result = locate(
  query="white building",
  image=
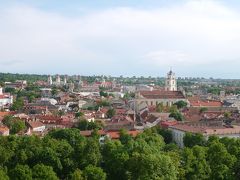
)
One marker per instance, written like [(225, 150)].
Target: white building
[(58, 80), (5, 99), (179, 130), (65, 80), (155, 97), (50, 82), (170, 82)]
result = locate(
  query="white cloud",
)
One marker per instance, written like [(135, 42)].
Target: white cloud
[(113, 40)]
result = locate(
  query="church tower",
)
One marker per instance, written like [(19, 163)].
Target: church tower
[(171, 82), (50, 80), (58, 79)]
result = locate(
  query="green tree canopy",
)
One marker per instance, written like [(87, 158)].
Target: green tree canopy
[(41, 171), (94, 173)]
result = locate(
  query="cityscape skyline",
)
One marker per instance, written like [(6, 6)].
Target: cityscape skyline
[(196, 38)]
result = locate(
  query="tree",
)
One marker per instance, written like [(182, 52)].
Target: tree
[(115, 157), (17, 126), (17, 104), (54, 91), (227, 114), (191, 140), (166, 134), (181, 104), (160, 107), (94, 173), (203, 109), (77, 175), (49, 157), (103, 103), (21, 172), (92, 154), (220, 161), (14, 124), (79, 114), (173, 109), (124, 136), (151, 166), (176, 115), (85, 125), (195, 163), (41, 171), (111, 112), (3, 174), (104, 94)]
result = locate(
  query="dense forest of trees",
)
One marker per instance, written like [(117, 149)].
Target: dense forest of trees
[(65, 154)]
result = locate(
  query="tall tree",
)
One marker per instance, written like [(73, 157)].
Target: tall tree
[(191, 140), (21, 172), (94, 173), (220, 161), (41, 171)]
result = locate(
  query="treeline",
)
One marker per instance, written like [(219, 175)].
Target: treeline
[(65, 154), (9, 77)]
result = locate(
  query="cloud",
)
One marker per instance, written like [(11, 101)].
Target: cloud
[(120, 40)]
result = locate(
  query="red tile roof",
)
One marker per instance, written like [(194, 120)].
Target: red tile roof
[(35, 124), (197, 102), (158, 94), (116, 134), (3, 129), (5, 113), (205, 130), (88, 133), (166, 124)]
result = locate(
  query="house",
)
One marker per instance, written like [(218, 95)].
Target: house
[(118, 122), (5, 99), (4, 131), (152, 121), (179, 131), (155, 97), (116, 134), (197, 102), (36, 126), (19, 84)]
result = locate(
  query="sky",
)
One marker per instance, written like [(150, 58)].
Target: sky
[(196, 38)]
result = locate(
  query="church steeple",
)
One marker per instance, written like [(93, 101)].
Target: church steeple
[(170, 82)]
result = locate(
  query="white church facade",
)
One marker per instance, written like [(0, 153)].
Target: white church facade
[(167, 97)]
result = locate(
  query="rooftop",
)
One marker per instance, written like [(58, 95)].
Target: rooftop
[(158, 94)]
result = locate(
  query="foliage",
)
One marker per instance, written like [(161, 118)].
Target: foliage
[(41, 171), (180, 104), (191, 140), (3, 174), (176, 115), (160, 107), (104, 94), (166, 134), (79, 114), (103, 103), (111, 112), (86, 125), (21, 172), (14, 124), (65, 154), (17, 104), (94, 173), (220, 161), (77, 175), (203, 109)]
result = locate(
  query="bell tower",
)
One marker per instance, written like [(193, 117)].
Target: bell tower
[(170, 82)]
